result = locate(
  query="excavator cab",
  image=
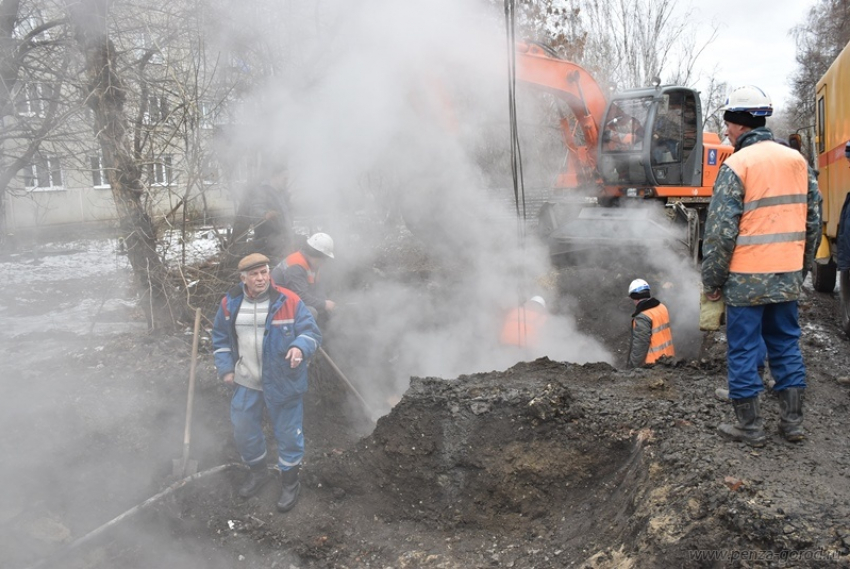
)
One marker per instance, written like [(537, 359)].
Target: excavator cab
[(650, 146), (650, 138)]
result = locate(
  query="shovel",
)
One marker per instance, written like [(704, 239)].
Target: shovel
[(372, 415), (183, 467)]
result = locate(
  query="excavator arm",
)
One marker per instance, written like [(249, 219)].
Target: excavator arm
[(539, 66)]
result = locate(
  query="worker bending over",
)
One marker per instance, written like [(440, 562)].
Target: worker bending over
[(651, 337), (523, 324)]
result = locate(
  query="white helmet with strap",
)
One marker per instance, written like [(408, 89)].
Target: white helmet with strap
[(749, 99), (322, 243)]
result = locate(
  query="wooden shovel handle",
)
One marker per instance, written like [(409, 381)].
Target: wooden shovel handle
[(191, 400)]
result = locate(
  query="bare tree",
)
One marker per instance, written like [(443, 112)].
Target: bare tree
[(106, 95), (632, 41), (556, 23), (819, 41), (713, 98), (33, 96)]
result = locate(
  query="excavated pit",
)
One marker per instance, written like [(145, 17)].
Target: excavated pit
[(498, 452)]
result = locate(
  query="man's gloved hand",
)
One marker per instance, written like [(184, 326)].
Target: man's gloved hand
[(712, 310), (713, 295)]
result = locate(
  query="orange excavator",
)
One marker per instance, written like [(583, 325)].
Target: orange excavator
[(641, 144)]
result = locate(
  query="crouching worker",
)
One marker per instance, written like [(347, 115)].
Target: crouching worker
[(523, 325), (263, 336), (651, 337)]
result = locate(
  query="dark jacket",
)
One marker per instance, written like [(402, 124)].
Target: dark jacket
[(266, 209), (642, 329), (295, 274), (843, 239)]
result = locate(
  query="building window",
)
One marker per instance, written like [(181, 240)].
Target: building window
[(205, 112), (156, 110), (28, 22), (98, 173), (239, 172), (210, 173), (160, 172), (44, 174), (142, 45), (31, 101)]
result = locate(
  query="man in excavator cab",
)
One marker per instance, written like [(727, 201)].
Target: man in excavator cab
[(667, 136), (623, 132)]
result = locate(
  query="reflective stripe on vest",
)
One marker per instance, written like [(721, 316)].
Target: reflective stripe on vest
[(521, 327), (772, 229), (298, 259), (661, 341)]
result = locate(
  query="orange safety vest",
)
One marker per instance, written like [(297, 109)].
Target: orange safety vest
[(661, 340), (298, 259), (522, 327), (772, 229)]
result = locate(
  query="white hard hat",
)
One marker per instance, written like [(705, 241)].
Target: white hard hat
[(749, 99), (322, 243), (638, 286), (539, 300)]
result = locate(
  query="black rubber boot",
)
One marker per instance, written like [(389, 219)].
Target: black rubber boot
[(291, 488), (749, 428), (791, 414), (257, 478), (722, 394)]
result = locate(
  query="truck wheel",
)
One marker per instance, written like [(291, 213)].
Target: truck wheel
[(844, 301), (823, 276)]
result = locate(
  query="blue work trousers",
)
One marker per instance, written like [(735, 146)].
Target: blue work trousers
[(246, 414), (778, 327)]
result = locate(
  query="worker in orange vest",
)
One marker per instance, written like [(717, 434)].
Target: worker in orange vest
[(523, 325), (761, 231), (651, 337), (299, 272)]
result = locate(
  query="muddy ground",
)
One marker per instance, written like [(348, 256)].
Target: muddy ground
[(545, 464)]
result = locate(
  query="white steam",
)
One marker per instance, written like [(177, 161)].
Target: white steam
[(384, 112)]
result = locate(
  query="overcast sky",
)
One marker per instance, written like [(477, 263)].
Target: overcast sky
[(753, 45)]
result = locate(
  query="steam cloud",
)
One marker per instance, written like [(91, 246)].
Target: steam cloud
[(389, 111)]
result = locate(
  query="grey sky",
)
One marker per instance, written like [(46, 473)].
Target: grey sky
[(753, 45)]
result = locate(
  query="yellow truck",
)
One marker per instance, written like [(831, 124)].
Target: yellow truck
[(832, 134)]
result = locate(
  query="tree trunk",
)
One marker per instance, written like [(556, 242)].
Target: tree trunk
[(105, 94)]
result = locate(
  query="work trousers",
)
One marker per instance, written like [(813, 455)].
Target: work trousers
[(246, 414), (778, 327)]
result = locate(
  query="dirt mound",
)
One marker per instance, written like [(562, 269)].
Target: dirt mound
[(544, 465)]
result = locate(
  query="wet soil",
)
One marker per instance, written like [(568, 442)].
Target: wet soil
[(545, 464)]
